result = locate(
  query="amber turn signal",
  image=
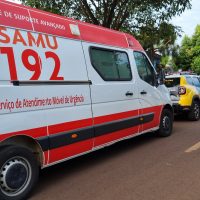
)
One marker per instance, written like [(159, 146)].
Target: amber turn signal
[(74, 136)]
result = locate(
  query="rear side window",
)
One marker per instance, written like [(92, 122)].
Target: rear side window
[(111, 65), (196, 82), (172, 82), (145, 70), (189, 80)]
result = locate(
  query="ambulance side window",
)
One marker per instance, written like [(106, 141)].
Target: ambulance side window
[(145, 70), (111, 65)]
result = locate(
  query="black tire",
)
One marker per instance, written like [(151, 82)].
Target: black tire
[(194, 113), (19, 172), (166, 123)]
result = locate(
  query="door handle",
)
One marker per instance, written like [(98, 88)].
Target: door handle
[(129, 93), (143, 92)]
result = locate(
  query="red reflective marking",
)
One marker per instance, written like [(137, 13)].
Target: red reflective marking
[(70, 150), (133, 43), (34, 133), (68, 126), (80, 147), (156, 121), (52, 24), (102, 35), (12, 15), (113, 117), (115, 136)]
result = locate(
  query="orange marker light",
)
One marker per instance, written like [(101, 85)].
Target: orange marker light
[(74, 136)]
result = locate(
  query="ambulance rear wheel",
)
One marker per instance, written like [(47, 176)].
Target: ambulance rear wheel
[(166, 123), (19, 172)]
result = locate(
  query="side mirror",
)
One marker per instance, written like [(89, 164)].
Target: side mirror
[(160, 76)]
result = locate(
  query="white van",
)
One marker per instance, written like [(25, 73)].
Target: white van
[(69, 88)]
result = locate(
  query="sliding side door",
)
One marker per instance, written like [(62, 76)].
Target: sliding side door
[(113, 92)]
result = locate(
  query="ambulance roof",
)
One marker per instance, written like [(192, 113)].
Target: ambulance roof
[(26, 18)]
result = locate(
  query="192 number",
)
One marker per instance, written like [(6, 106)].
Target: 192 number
[(36, 68)]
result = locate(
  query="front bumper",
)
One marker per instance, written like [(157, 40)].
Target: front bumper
[(178, 108)]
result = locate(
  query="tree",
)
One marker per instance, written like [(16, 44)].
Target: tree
[(189, 54), (129, 15), (168, 61), (158, 38), (196, 50), (185, 54), (196, 65)]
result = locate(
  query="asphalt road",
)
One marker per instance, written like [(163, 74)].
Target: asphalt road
[(142, 168)]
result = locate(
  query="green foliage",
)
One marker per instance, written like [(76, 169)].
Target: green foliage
[(189, 54), (196, 65), (54, 6), (160, 36), (169, 61), (164, 60), (185, 55)]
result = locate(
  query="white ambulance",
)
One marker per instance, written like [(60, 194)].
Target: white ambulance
[(68, 88)]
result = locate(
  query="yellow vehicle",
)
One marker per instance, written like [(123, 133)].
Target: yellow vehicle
[(185, 94)]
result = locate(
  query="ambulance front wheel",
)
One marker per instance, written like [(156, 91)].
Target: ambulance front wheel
[(166, 123), (19, 172)]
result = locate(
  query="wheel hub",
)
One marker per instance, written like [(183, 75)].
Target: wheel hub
[(14, 176), (196, 111), (166, 122)]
